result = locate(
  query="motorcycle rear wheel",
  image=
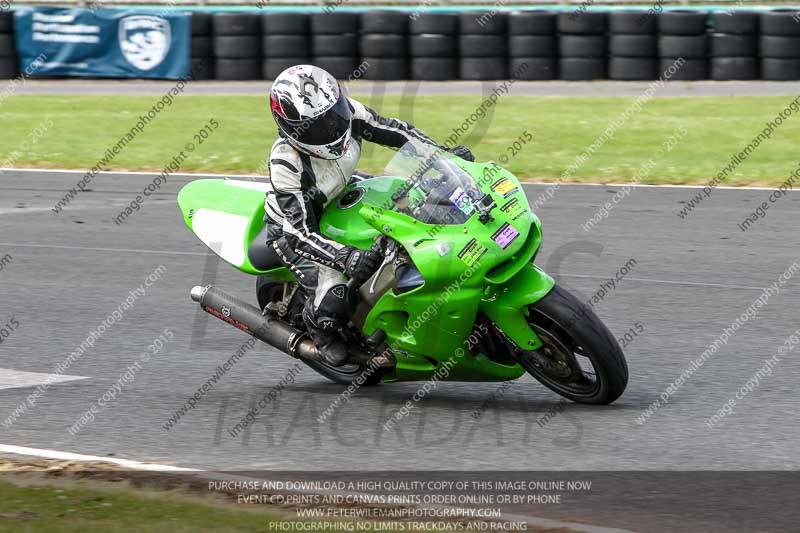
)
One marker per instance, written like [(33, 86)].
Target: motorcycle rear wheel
[(572, 335), (347, 374)]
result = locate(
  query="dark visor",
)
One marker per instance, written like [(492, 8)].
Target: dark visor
[(323, 129)]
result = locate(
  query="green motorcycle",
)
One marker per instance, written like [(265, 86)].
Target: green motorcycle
[(458, 295)]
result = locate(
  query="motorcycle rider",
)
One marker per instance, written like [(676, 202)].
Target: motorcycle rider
[(314, 158)]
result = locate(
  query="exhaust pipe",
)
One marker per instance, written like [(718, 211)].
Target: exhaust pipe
[(249, 319)]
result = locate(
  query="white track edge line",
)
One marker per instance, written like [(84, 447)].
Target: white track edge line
[(245, 176), (69, 456)]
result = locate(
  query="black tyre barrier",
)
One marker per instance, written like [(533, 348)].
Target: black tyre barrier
[(385, 68), (7, 46), (384, 21), (482, 22), (482, 68), (686, 46), (734, 68), (202, 46), (437, 23), (334, 23), (343, 45), (237, 69), (534, 22), (433, 45), (434, 68), (6, 21), (582, 46), (284, 24), (689, 70), (200, 22), (776, 69), (272, 66), (737, 22), (588, 22), (236, 23), (633, 45), (8, 68), (633, 68), (534, 68), (383, 45), (733, 45), (341, 67), (780, 22), (285, 46), (482, 45), (632, 22), (778, 46), (682, 22), (237, 47), (581, 68), (202, 68), (532, 46)]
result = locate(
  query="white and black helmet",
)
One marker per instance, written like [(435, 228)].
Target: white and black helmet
[(312, 111)]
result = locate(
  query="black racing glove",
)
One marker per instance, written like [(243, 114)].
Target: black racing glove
[(463, 152), (358, 264)]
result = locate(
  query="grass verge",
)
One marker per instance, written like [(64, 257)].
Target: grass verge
[(84, 127)]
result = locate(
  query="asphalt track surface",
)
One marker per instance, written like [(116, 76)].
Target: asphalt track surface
[(692, 278), (447, 88)]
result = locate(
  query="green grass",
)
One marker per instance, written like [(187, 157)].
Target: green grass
[(41, 507), (563, 127)]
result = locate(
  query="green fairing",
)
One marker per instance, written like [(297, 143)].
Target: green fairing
[(428, 327)]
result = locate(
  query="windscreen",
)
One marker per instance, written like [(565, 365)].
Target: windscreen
[(437, 189)]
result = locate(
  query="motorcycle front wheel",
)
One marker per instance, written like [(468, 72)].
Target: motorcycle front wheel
[(579, 359)]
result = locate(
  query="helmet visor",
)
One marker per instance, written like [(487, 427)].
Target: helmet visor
[(323, 129)]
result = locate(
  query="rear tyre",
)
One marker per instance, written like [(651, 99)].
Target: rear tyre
[(348, 374), (268, 291), (585, 363)]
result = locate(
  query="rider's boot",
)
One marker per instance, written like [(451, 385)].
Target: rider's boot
[(325, 334)]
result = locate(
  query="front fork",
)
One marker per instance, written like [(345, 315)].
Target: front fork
[(507, 304)]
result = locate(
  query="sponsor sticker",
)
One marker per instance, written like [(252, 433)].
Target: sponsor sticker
[(462, 201), (513, 208), (472, 252), (505, 235), (504, 187)]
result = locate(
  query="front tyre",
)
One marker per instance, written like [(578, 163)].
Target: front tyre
[(580, 359)]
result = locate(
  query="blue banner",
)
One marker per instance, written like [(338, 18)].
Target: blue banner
[(106, 43)]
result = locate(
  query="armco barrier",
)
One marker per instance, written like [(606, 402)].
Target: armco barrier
[(469, 44)]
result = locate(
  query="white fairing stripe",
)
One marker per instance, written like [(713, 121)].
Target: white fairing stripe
[(223, 233), (262, 186)]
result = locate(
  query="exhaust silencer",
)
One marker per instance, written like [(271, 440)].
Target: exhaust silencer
[(249, 319)]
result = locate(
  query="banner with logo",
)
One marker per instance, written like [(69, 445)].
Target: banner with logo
[(107, 43)]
